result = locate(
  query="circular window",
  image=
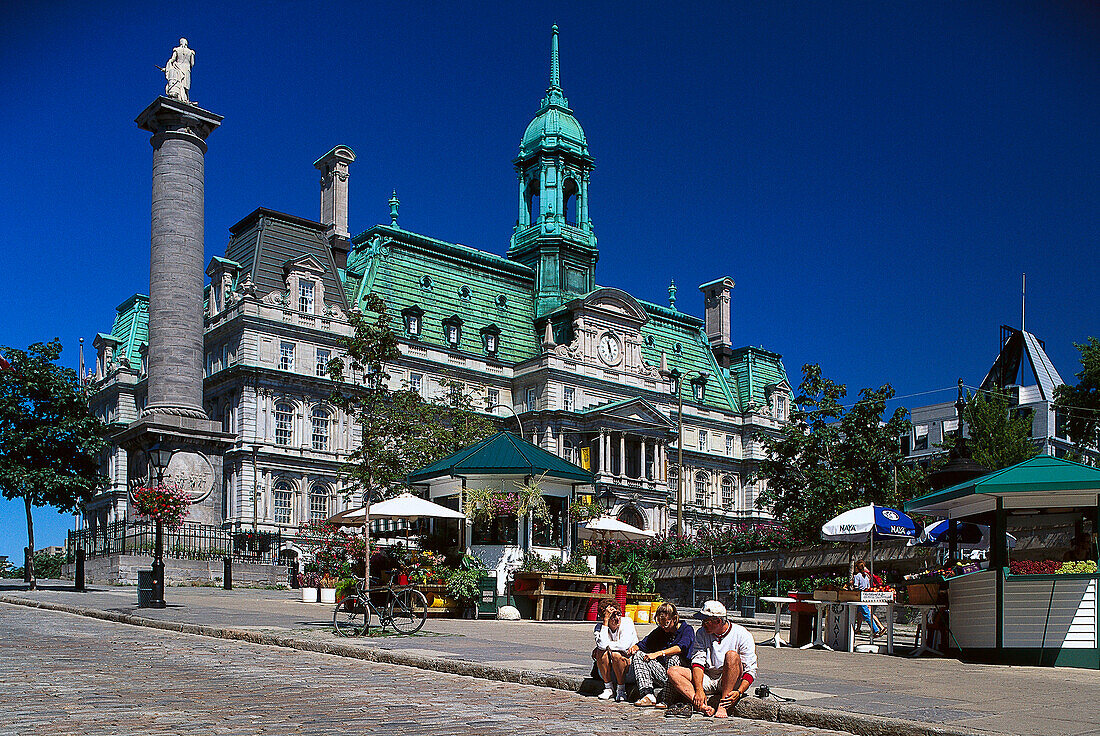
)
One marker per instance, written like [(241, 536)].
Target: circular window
[(502, 301), (677, 348), (426, 281), (464, 292), (649, 340)]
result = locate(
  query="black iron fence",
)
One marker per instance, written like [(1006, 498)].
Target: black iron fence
[(189, 541)]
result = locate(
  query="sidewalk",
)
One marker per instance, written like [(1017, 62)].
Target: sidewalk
[(833, 689)]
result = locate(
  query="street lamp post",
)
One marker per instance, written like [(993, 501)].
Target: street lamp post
[(519, 423), (255, 491), (676, 386), (161, 456)]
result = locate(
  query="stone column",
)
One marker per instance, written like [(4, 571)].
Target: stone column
[(622, 454), (176, 273)]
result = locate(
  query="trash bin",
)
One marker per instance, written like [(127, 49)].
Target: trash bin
[(145, 588), (487, 599)]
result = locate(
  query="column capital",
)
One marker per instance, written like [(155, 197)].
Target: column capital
[(166, 117)]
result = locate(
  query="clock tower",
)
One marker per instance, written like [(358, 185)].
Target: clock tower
[(553, 233)]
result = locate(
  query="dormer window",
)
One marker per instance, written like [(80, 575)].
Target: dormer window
[(305, 296), (699, 388), (413, 317), (490, 339), (502, 301), (426, 282), (452, 330), (464, 292)]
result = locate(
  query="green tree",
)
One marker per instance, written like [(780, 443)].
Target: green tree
[(1080, 404), (996, 435), (50, 443), (830, 458), (399, 430)]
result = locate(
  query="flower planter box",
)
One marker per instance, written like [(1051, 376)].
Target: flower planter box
[(309, 595), (328, 595)]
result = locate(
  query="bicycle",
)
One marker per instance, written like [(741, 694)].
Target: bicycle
[(405, 608)]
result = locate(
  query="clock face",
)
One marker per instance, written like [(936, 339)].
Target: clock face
[(608, 349)]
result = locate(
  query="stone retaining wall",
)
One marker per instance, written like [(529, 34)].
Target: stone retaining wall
[(123, 569)]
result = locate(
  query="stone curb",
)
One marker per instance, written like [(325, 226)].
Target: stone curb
[(799, 715)]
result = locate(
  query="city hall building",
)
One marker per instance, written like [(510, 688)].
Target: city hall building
[(524, 325)]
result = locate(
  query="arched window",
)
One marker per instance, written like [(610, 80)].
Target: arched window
[(632, 516), (701, 482), (673, 477), (283, 502), (532, 197), (569, 194), (284, 423), (318, 502), (728, 496), (571, 453), (320, 419)]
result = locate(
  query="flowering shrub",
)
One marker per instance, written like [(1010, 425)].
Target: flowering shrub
[(166, 504), (309, 580), (1034, 567), (336, 551), (727, 540), (423, 566), (581, 511)]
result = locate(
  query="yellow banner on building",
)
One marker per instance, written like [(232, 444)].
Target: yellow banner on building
[(586, 458)]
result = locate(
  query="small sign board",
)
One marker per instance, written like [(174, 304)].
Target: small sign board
[(876, 596)]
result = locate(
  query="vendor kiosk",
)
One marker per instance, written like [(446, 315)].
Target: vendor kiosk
[(999, 617)]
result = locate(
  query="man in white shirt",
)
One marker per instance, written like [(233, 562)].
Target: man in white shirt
[(614, 636), (724, 663)]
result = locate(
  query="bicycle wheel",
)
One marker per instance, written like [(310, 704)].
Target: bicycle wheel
[(408, 610), (350, 616)]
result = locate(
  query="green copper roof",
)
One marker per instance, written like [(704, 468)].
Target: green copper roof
[(446, 279), (754, 371), (1040, 474), (554, 125), (131, 326), (503, 454)]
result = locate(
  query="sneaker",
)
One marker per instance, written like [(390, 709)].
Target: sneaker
[(678, 710), (620, 694), (606, 694)]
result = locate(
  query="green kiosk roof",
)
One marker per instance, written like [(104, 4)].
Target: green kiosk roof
[(503, 454), (1040, 482)]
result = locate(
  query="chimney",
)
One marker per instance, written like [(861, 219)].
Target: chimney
[(716, 295), (334, 200)]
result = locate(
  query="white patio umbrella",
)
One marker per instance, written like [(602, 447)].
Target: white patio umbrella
[(405, 506), (869, 523), (610, 529)]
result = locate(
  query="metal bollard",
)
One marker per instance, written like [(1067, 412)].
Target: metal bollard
[(79, 574), (227, 573), (26, 564)]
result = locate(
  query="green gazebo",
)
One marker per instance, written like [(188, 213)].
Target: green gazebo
[(503, 461), (1023, 619)]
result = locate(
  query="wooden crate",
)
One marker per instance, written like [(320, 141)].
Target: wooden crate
[(825, 595), (926, 594)]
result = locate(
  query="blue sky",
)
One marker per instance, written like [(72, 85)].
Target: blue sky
[(874, 176)]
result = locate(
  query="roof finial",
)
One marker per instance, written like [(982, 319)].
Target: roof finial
[(555, 80), (672, 294), (394, 204)]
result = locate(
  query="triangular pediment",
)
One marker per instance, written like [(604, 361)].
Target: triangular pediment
[(632, 411), (306, 264)]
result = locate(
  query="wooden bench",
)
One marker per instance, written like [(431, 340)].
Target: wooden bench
[(561, 596)]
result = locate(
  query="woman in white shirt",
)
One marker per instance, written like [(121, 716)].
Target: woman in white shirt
[(614, 636)]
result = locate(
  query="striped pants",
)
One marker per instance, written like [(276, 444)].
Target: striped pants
[(648, 673)]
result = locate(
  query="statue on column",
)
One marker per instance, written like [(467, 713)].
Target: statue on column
[(178, 72)]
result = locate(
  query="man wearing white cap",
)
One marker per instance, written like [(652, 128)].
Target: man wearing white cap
[(724, 662)]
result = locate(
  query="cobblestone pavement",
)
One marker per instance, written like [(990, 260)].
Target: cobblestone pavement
[(64, 674)]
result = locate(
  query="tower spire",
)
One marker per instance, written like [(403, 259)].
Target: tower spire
[(555, 80)]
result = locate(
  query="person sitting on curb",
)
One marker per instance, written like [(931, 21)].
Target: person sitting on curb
[(669, 644), (614, 636), (724, 662)]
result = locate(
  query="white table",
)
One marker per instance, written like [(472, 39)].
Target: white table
[(923, 635), (889, 605), (819, 627), (776, 640)]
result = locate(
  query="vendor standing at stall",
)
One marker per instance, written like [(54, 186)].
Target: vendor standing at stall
[(861, 580)]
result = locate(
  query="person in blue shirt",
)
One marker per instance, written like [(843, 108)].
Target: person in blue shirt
[(669, 644)]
